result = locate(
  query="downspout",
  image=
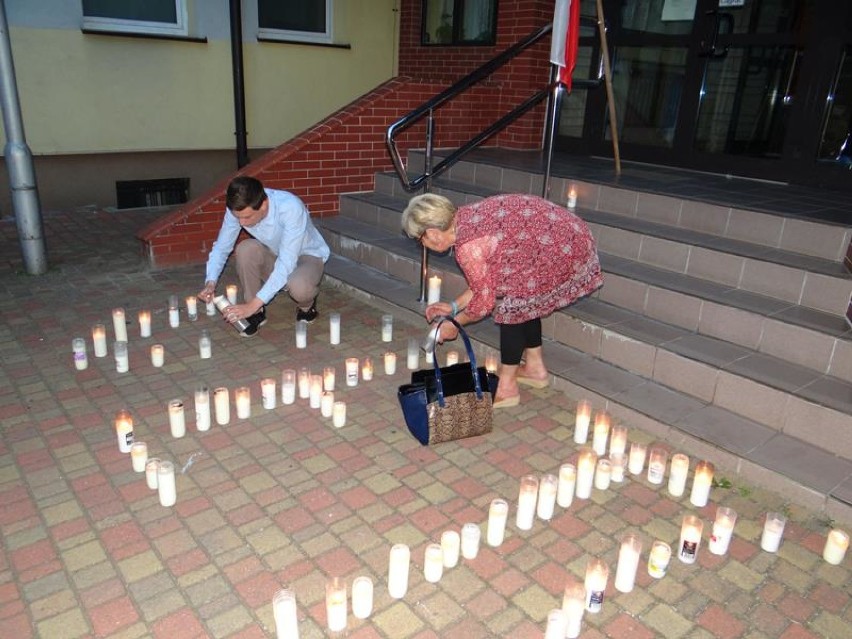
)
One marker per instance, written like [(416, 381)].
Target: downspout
[(19, 162), (239, 82)]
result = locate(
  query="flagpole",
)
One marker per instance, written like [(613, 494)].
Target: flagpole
[(610, 98)]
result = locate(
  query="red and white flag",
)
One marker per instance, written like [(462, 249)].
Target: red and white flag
[(566, 36)]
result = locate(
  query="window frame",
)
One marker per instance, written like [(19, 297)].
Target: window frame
[(458, 17), (121, 25), (311, 37)]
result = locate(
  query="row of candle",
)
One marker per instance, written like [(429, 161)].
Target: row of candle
[(159, 474)]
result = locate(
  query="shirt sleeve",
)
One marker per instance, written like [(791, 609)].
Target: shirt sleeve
[(473, 258), (295, 223), (222, 247)]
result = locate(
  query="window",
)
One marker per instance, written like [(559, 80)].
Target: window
[(303, 20), (167, 17), (451, 22)]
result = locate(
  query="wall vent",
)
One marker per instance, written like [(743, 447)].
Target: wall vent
[(133, 194)]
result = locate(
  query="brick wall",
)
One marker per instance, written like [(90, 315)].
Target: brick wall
[(343, 152)]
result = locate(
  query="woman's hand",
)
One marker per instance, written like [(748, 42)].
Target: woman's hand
[(437, 309), (448, 332)]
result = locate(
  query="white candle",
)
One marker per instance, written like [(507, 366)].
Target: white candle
[(335, 604), (773, 531), (334, 332), (151, 468), (327, 404), (450, 546), (210, 308), (617, 462), (835, 547), (202, 408), (678, 473), (158, 355), (174, 312), (600, 433), (603, 474), (285, 614), (526, 502), (574, 605), (288, 386), (571, 201), (628, 562), (304, 383), (690, 539), (301, 334), (328, 375), (390, 363), (352, 365), (122, 359), (387, 328), (124, 430), (362, 597), (434, 290), (119, 325), (470, 538), (222, 405), (546, 497), (657, 460), (497, 515), (723, 530), (701, 483), (144, 323), (177, 420), (429, 357), (338, 414), (139, 456), (597, 574), (557, 624), (242, 398), (452, 357), (491, 363), (99, 340), (205, 344), (268, 393), (581, 423), (658, 559), (78, 348), (586, 464), (231, 293), (636, 460), (400, 558), (166, 488), (433, 563), (315, 397), (367, 369), (565, 489), (412, 361), (617, 440), (191, 308)]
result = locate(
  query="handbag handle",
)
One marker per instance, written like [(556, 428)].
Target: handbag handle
[(439, 387)]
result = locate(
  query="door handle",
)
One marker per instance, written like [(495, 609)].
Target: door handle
[(712, 49)]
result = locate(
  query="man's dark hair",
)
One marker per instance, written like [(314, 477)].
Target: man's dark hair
[(244, 191)]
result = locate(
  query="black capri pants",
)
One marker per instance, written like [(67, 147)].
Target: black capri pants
[(515, 338)]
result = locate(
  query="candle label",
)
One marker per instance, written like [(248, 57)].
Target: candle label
[(689, 550), (596, 598), (655, 474), (657, 568)]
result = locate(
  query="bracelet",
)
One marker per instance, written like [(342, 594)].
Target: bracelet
[(455, 310)]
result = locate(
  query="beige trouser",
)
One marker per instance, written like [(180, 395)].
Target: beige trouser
[(255, 262)]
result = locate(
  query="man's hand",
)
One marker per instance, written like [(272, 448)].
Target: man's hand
[(208, 292), (239, 311)]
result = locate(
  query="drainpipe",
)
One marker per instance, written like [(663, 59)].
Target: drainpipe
[(239, 82), (19, 162)]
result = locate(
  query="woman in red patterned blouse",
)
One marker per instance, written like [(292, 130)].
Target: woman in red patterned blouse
[(523, 257)]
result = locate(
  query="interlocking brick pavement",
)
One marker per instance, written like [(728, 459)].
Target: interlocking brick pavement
[(283, 498)]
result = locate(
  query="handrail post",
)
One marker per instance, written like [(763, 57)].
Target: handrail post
[(554, 105), (424, 252)]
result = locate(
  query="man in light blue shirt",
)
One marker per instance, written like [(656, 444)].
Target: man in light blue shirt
[(285, 251)]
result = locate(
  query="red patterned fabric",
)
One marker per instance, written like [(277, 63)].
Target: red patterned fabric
[(524, 257)]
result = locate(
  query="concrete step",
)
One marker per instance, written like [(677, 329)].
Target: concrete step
[(784, 462)]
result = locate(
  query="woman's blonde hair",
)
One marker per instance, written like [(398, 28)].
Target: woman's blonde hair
[(427, 211)]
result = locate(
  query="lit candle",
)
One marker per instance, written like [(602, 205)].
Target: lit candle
[(628, 562), (338, 414), (400, 558), (222, 405), (658, 559), (288, 386), (597, 574), (139, 456), (387, 328), (304, 383), (835, 548), (202, 408), (268, 393), (636, 460), (491, 363), (677, 474), (119, 325), (557, 624), (315, 397), (362, 597), (574, 605), (601, 433), (158, 355), (603, 474), (124, 430), (546, 497), (328, 375), (174, 311), (205, 344), (452, 357), (450, 546), (242, 398), (191, 308), (657, 460), (335, 604), (565, 489), (723, 529), (177, 420), (78, 348), (144, 323), (390, 363), (367, 369), (122, 360), (301, 334), (151, 468), (581, 422), (327, 404), (497, 515), (690, 539), (617, 462), (231, 293), (433, 563), (617, 440), (571, 202), (773, 531), (470, 538), (352, 371), (166, 483), (334, 335), (526, 502), (701, 483), (413, 360), (434, 291), (586, 463), (285, 614), (99, 340)]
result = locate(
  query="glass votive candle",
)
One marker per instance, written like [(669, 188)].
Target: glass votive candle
[(603, 474), (433, 563), (470, 538), (210, 308), (327, 404), (600, 434), (586, 465), (242, 398), (152, 466), (390, 363), (202, 408), (158, 355), (491, 363), (352, 365), (567, 481), (657, 461), (526, 502), (399, 562), (628, 562), (231, 293), (367, 369), (617, 461), (304, 383), (574, 605), (191, 308), (412, 361), (174, 311), (702, 482), (773, 531), (452, 357), (301, 334), (78, 349), (723, 530), (636, 459), (222, 405), (122, 359), (836, 545), (498, 512), (338, 414), (99, 340), (205, 344), (547, 488), (362, 597), (334, 339), (597, 575), (268, 393), (328, 375), (571, 198), (144, 318), (124, 430), (177, 418), (288, 386), (617, 440), (119, 325), (450, 547), (658, 559), (678, 473), (690, 539), (557, 624), (315, 399), (166, 483), (335, 604), (387, 328), (139, 456), (285, 614), (433, 294)]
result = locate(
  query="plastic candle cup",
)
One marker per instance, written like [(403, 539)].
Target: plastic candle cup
[(191, 308), (144, 323), (242, 398), (600, 433), (657, 461), (636, 460), (557, 624), (628, 562), (122, 360), (452, 357), (304, 383), (288, 386), (497, 515), (433, 563), (338, 414), (581, 422), (210, 309), (412, 361), (723, 530), (362, 597), (174, 311), (99, 340), (177, 419), (205, 344), (434, 290), (222, 405), (617, 461), (470, 538), (701, 483), (328, 375), (603, 474), (367, 369), (327, 404), (285, 614), (526, 502), (78, 348), (301, 334), (567, 481), (231, 293), (658, 559), (151, 468), (547, 488), (491, 363), (690, 539), (352, 365), (124, 430), (139, 456), (166, 483), (399, 561), (450, 546), (574, 605), (597, 574), (335, 604), (315, 399), (836, 545), (119, 325), (571, 200), (202, 408), (773, 531), (617, 440), (678, 474), (334, 328), (390, 363), (586, 464), (387, 328), (158, 355), (268, 393)]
